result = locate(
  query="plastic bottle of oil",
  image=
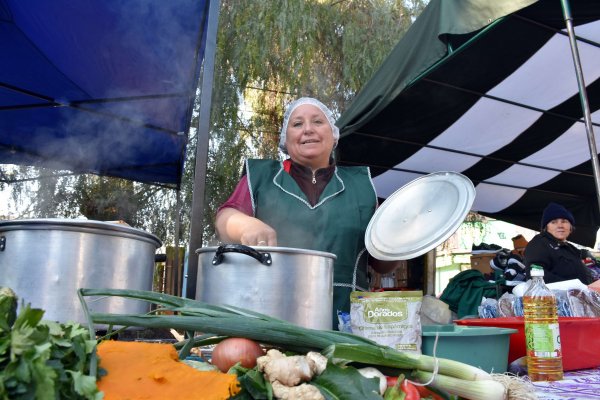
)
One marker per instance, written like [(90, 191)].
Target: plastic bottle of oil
[(544, 357)]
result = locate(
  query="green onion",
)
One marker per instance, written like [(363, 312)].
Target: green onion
[(474, 390), (262, 331), (389, 357), (216, 322), (220, 320)]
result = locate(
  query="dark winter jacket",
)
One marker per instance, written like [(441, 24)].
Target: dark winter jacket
[(561, 260)]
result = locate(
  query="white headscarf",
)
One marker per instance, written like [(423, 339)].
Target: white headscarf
[(306, 100)]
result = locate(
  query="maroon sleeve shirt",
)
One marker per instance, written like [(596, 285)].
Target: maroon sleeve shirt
[(240, 198)]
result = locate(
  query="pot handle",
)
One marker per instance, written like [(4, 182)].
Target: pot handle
[(263, 258)]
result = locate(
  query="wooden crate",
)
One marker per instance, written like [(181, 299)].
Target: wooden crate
[(481, 262)]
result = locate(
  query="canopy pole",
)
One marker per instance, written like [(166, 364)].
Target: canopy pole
[(197, 212), (583, 96), (177, 281)]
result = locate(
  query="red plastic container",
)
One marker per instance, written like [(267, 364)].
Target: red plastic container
[(579, 337)]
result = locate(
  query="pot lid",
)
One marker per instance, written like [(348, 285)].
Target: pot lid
[(419, 216)]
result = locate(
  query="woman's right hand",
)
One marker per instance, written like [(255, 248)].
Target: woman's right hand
[(236, 227), (257, 233)]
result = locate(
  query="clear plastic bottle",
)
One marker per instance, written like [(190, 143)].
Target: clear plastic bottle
[(542, 335)]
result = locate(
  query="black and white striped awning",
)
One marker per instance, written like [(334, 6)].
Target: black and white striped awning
[(487, 88)]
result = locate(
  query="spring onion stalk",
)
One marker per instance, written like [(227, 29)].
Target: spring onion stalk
[(216, 322), (187, 347), (262, 331), (219, 320), (389, 357), (472, 390)]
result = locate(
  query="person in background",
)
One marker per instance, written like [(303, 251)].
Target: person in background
[(560, 259), (307, 201)]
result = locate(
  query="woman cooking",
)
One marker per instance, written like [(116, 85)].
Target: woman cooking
[(307, 201)]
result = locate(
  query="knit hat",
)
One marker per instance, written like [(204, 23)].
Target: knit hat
[(307, 100), (554, 211)]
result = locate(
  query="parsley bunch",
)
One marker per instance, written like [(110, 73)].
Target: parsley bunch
[(43, 360)]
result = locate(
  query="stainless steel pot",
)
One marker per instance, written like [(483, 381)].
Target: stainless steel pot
[(45, 261), (292, 284)]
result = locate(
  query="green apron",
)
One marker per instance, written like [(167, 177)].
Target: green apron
[(336, 224)]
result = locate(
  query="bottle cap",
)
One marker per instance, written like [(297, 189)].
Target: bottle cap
[(536, 270)]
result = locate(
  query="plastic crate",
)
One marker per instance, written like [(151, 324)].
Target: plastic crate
[(579, 339)]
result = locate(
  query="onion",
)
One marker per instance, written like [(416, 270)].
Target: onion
[(233, 350)]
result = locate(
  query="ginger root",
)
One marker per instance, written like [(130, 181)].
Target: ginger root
[(286, 373), (317, 361), (304, 391)]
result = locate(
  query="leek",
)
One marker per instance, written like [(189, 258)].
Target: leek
[(216, 322), (389, 357), (473, 390)]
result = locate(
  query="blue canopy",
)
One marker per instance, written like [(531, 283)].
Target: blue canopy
[(100, 86)]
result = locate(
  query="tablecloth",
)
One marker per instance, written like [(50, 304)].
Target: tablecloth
[(576, 385)]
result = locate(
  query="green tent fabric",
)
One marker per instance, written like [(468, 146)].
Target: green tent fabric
[(420, 48), (465, 292), (486, 88)]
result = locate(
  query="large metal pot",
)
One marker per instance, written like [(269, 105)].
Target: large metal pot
[(292, 284), (45, 261)]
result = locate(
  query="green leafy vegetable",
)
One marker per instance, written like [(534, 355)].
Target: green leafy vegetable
[(346, 383), (8, 308), (253, 384), (42, 359)]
